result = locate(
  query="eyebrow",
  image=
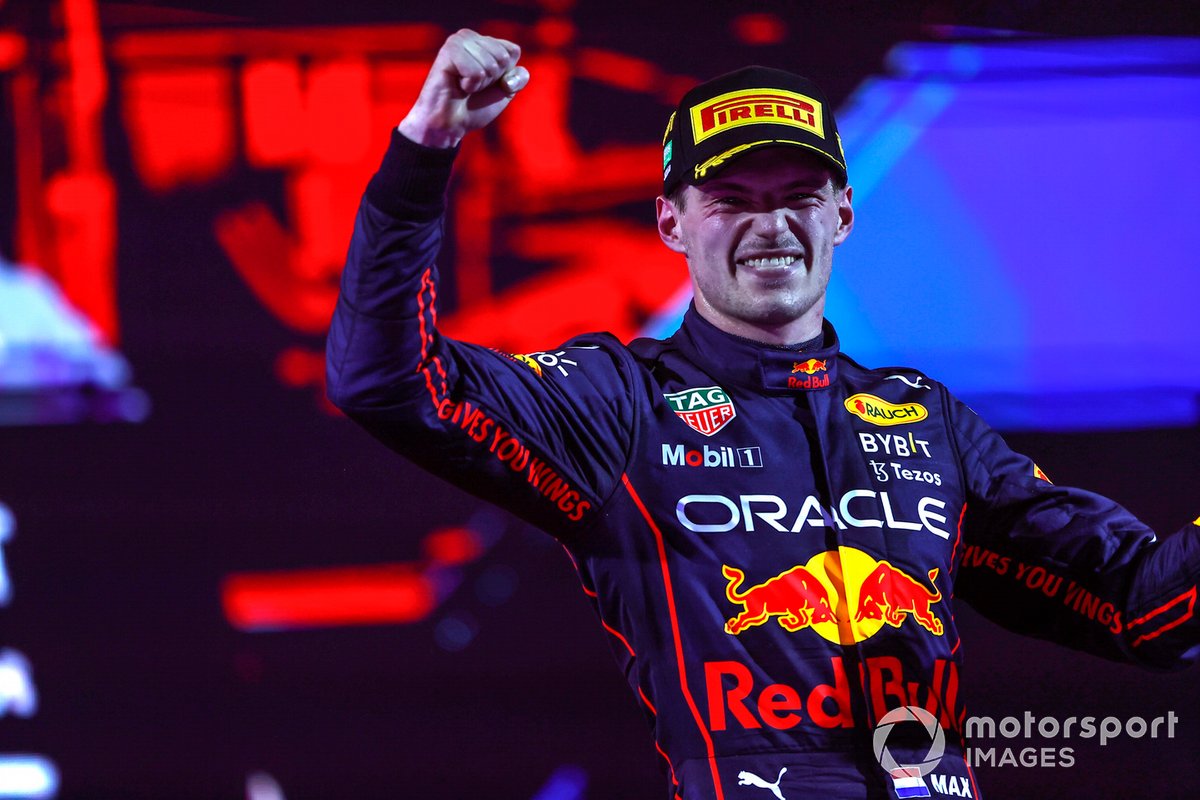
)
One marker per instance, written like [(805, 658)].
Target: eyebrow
[(717, 184)]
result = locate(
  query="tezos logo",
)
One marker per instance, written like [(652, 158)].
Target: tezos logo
[(878, 411), (704, 410)]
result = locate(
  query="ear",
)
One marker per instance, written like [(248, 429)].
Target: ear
[(845, 217), (668, 225)]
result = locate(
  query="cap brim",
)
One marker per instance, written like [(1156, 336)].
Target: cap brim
[(710, 168)]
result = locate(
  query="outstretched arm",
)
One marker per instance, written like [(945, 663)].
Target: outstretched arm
[(1071, 566)]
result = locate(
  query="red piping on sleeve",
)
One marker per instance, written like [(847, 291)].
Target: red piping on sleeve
[(1189, 595)]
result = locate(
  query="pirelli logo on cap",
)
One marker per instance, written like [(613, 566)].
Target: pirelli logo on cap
[(754, 107)]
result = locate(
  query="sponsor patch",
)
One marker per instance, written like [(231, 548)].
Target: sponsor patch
[(556, 361), (878, 411), (893, 444), (739, 699), (913, 382), (675, 455), (705, 411), (845, 596), (809, 367), (527, 361), (811, 382), (756, 107), (886, 471), (1037, 473), (858, 508)]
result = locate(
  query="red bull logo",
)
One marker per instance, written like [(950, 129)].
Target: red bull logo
[(891, 595), (756, 107), (845, 596), (811, 382), (809, 367), (741, 699), (878, 411), (796, 598)]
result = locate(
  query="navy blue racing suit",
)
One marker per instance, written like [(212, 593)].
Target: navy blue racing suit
[(771, 537)]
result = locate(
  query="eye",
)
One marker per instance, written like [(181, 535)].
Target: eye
[(730, 201)]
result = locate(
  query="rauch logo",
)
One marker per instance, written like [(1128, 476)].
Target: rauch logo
[(878, 411)]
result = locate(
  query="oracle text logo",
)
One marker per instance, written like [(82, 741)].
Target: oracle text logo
[(857, 508)]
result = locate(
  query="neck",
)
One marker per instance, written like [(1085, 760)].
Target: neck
[(792, 332)]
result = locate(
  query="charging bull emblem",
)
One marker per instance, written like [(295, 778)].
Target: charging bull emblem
[(796, 597), (890, 594), (809, 367)]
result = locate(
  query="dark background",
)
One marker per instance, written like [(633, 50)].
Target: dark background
[(126, 532)]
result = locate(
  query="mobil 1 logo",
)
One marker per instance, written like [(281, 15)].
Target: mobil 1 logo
[(676, 455)]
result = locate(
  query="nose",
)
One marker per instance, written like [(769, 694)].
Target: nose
[(770, 223)]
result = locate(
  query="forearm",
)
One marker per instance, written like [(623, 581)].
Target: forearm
[(1160, 623), (384, 316), (1072, 566)]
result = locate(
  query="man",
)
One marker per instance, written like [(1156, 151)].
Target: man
[(771, 532)]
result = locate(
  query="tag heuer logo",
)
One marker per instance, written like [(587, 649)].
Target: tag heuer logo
[(704, 410)]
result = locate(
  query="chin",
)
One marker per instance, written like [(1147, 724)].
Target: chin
[(778, 314)]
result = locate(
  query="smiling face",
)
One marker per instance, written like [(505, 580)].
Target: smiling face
[(759, 239)]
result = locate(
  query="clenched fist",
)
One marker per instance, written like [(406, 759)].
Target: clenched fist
[(471, 81)]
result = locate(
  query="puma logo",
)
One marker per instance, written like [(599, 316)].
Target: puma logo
[(750, 779), (916, 384)]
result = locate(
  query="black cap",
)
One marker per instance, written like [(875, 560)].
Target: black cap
[(741, 111)]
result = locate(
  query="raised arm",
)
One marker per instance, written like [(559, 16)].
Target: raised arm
[(472, 80), (548, 446)]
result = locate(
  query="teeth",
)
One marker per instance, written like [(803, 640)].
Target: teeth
[(758, 263)]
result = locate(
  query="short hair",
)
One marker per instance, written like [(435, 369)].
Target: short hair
[(676, 197)]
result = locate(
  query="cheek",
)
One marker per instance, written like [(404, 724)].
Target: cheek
[(825, 228)]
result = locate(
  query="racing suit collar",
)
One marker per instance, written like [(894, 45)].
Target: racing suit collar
[(769, 368)]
